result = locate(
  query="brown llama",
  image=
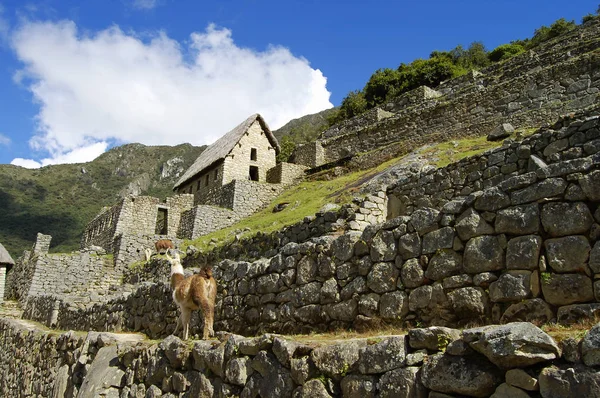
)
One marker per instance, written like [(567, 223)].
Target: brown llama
[(163, 245), (195, 292)]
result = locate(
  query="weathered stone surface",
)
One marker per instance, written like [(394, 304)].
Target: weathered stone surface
[(595, 258), (570, 314), (563, 218), (238, 370), (510, 287), (103, 373), (590, 184), (443, 264), (523, 252), (571, 349), (383, 246), (330, 292), (302, 369), (590, 346), (383, 356), (507, 391), (357, 386), (420, 298), (518, 220), (313, 389), (425, 220), (484, 279), (470, 376), (175, 350), (442, 238), (568, 254), (393, 305), (457, 281), (434, 338), (336, 360), (409, 245), (547, 188), (517, 344), (471, 224), (569, 381), (469, 303), (401, 383), (306, 270), (344, 311), (276, 380), (483, 253), (564, 289), (502, 131), (535, 310), (342, 248), (383, 277), (412, 273), (521, 379), (492, 199)]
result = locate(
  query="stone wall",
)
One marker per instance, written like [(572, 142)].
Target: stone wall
[(310, 154), (516, 359), (203, 219), (176, 205), (285, 173), (101, 230), (531, 89)]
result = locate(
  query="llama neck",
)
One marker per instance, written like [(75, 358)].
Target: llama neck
[(176, 268)]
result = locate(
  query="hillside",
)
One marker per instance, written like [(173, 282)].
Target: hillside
[(60, 200), (305, 128)]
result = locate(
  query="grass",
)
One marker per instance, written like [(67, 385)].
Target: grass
[(577, 330)]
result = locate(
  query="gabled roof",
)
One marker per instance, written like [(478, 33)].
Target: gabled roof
[(5, 258), (221, 148)]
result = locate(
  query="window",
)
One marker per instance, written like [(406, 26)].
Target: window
[(253, 173), (162, 218), (253, 154)]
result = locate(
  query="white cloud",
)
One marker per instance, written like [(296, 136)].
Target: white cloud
[(145, 4), (114, 86), (4, 140), (78, 155)]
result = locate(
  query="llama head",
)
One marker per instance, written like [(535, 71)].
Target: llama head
[(176, 267)]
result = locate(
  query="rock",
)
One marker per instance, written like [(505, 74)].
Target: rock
[(342, 248), (521, 379), (412, 273), (336, 360), (590, 184), (409, 245), (393, 305), (401, 383), (425, 220), (434, 338), (534, 310), (302, 369), (330, 292), (381, 357), (276, 380), (564, 289), (313, 389), (571, 314), (484, 279), (523, 252), (469, 303), (472, 376), (506, 391), (564, 218), (306, 270), (571, 349), (595, 258), (502, 131), (569, 381), (517, 344), (443, 264), (471, 224), (510, 287), (457, 281), (547, 188), (238, 370), (518, 220), (442, 238), (568, 254), (590, 346), (483, 253), (175, 350), (419, 298), (383, 246), (344, 311), (356, 386), (103, 373), (492, 199), (383, 277)]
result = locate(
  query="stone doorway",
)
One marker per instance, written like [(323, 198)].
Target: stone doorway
[(162, 221)]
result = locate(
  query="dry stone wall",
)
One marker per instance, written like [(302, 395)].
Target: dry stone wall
[(517, 360)]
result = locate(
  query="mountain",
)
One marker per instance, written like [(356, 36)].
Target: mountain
[(305, 128), (60, 200)]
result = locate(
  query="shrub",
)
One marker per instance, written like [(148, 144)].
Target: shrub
[(505, 51)]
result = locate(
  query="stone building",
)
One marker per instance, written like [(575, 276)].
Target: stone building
[(245, 153), (6, 261)]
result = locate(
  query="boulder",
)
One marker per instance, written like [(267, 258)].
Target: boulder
[(518, 220), (521, 379), (483, 253), (590, 346), (565, 289), (434, 338), (575, 313), (523, 252), (513, 345), (442, 238), (383, 246), (357, 386), (564, 218), (443, 264), (547, 188), (471, 224), (313, 389), (409, 245), (383, 277), (470, 303), (502, 131), (510, 287), (386, 355), (569, 381), (505, 390), (425, 220), (238, 370), (492, 199), (412, 273), (401, 383), (568, 254), (535, 310), (462, 375), (393, 305), (590, 184), (336, 360)]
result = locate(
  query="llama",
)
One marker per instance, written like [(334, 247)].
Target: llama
[(163, 245), (197, 291)]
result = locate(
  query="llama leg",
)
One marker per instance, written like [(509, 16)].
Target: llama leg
[(186, 314), (208, 317), (177, 325)]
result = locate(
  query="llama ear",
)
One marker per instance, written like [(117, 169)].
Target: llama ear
[(167, 255)]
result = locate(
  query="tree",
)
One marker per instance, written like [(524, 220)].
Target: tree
[(382, 84), (505, 51), (287, 147)]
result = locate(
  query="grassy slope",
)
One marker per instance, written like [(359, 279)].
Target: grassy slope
[(60, 200)]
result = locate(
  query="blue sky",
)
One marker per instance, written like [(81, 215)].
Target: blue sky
[(78, 77)]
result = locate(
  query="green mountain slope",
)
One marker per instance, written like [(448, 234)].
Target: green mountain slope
[(305, 128), (60, 200)]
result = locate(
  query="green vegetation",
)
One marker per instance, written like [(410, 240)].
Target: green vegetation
[(385, 84), (60, 200)]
